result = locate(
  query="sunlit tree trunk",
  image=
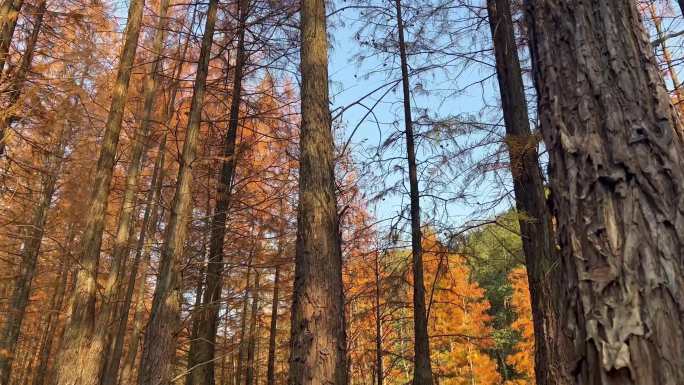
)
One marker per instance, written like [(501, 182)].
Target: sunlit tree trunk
[(160, 345), (207, 319), (536, 228), (9, 15), (616, 167), (75, 365), (422, 368), (318, 336)]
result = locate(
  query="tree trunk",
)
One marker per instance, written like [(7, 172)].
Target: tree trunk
[(617, 178), (318, 340), (251, 343), (666, 52), (33, 238), (379, 371), (74, 366), (9, 15), (270, 373), (536, 227), (242, 350), (160, 347), (207, 320), (422, 369), (104, 331), (16, 85)]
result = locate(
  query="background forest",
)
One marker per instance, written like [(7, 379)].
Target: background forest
[(153, 158)]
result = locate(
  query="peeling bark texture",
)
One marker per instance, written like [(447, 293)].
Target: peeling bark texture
[(318, 336), (156, 366), (74, 365), (617, 177), (536, 227), (422, 367), (207, 317)]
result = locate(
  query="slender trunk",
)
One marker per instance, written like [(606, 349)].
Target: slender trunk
[(379, 371), (33, 239), (16, 85), (318, 323), (242, 351), (251, 343), (208, 317), (422, 372), (9, 15), (273, 333), (536, 228), (196, 309), (52, 319), (160, 345), (104, 332), (666, 52), (681, 6), (72, 367), (616, 166)]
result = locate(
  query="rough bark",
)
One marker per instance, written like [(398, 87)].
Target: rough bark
[(270, 371), (74, 366), (252, 341), (160, 347), (33, 238), (422, 369), (536, 227), (616, 168), (207, 319), (318, 339)]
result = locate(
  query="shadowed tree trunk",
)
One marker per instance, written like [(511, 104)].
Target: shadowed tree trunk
[(207, 320), (251, 343), (536, 228), (242, 347), (422, 368), (16, 84), (616, 166), (318, 339), (33, 238), (74, 364), (270, 371), (160, 345), (379, 370)]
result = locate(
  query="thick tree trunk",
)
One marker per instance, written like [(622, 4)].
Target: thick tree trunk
[(422, 369), (9, 15), (33, 238), (107, 322), (207, 320), (319, 340), (273, 333), (536, 228), (74, 364), (616, 165), (251, 342), (160, 345)]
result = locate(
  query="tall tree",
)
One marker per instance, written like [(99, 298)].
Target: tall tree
[(9, 16), (422, 369), (318, 336), (536, 228), (207, 319), (616, 168), (159, 348), (73, 364)]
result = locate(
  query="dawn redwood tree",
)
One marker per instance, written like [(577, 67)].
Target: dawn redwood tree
[(74, 366), (156, 366), (318, 336), (616, 166), (536, 227), (422, 368)]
